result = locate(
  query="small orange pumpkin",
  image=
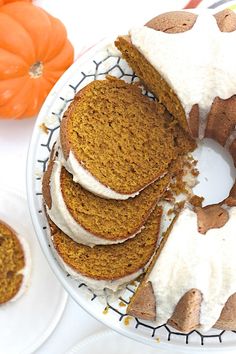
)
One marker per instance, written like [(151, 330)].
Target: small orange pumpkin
[(34, 53), (2, 2)]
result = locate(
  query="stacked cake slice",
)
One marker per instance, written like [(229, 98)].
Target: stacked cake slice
[(110, 167)]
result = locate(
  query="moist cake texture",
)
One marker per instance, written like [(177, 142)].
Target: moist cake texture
[(114, 261), (12, 262), (111, 221), (118, 135)]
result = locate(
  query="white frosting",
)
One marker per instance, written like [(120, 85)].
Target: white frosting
[(26, 271), (89, 182), (98, 286), (198, 64), (61, 216), (192, 260)]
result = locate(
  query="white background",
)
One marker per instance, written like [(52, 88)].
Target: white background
[(87, 22)]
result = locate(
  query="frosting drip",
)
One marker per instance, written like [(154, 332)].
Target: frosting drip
[(192, 260), (197, 66)]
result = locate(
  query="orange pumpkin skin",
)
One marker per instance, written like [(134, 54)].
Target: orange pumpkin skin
[(2, 2), (34, 53)]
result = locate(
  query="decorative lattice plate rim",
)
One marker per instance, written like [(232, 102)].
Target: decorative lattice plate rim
[(95, 64)]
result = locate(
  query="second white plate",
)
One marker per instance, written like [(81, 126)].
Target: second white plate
[(26, 323)]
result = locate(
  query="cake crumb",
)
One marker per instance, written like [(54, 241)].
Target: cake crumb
[(178, 206), (133, 282), (44, 128), (158, 339), (127, 320), (122, 304), (105, 311), (196, 201)]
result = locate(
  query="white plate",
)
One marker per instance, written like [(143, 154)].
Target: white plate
[(95, 64), (114, 344), (26, 323)]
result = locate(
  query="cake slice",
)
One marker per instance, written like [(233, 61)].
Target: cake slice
[(111, 266), (13, 267), (114, 140), (89, 219)]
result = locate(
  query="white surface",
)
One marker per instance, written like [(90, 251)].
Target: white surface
[(87, 22), (23, 318), (217, 172)]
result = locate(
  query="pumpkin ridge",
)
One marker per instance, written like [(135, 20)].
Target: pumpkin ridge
[(13, 85), (61, 36), (38, 27), (11, 65), (8, 38), (62, 62), (6, 110)]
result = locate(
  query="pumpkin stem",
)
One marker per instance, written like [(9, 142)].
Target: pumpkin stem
[(36, 70)]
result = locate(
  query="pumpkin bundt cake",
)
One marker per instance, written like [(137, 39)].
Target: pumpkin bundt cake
[(13, 267), (114, 139), (197, 84), (191, 284), (110, 266), (89, 219)]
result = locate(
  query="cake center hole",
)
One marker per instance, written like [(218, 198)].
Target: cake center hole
[(217, 171)]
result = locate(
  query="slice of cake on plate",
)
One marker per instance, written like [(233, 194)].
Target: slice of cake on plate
[(14, 264)]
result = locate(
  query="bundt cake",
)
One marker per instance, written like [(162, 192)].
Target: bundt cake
[(108, 267), (89, 219), (14, 264), (114, 140), (196, 83), (188, 62)]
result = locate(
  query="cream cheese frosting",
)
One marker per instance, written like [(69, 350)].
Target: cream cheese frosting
[(198, 67), (89, 182), (61, 216), (191, 260), (98, 286)]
